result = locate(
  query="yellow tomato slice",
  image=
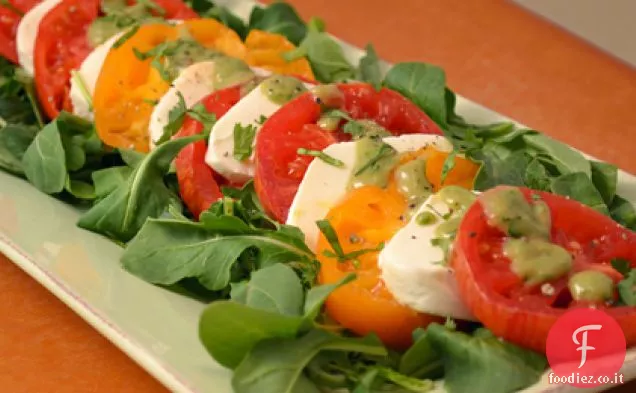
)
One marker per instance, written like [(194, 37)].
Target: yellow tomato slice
[(266, 50), (365, 218), (127, 85)]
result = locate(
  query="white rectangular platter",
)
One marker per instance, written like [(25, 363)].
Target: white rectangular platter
[(155, 327)]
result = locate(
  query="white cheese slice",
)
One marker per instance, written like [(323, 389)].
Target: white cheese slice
[(413, 271), (194, 83), (88, 74), (324, 185), (28, 32), (221, 144)]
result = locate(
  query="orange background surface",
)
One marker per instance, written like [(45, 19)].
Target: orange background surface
[(494, 53)]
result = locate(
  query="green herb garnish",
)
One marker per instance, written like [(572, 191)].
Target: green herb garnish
[(385, 151), (243, 141), (322, 156)]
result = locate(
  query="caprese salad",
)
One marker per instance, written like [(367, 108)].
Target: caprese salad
[(349, 230)]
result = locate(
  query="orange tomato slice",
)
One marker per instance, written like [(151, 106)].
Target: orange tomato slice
[(127, 85), (367, 217), (266, 50)]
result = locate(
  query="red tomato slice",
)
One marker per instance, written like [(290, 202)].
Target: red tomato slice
[(198, 183), (279, 170), (8, 26), (523, 314), (24, 5), (62, 44)]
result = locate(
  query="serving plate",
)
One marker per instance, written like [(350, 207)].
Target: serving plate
[(155, 327)]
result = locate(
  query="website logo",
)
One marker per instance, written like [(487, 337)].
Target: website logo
[(586, 348)]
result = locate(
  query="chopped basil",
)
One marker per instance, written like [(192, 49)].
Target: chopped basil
[(261, 120), (448, 166), (150, 102), (81, 84), (243, 140), (385, 151), (126, 36), (200, 113), (322, 156), (338, 253), (332, 237), (177, 116)]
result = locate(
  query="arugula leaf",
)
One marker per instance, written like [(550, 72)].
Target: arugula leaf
[(621, 265), (495, 171), (80, 189), (124, 211), (403, 381), (200, 6), (536, 176), (276, 289), (627, 289), (317, 296), (275, 366), (369, 68), (14, 141), (109, 179), (279, 18), (44, 161), (579, 186), (623, 212), (18, 101), (422, 83), (483, 363), (243, 141), (566, 159), (605, 179), (248, 208), (167, 251), (421, 360), (229, 329), (225, 16), (325, 55)]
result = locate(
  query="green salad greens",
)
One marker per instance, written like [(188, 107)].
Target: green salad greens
[(265, 318)]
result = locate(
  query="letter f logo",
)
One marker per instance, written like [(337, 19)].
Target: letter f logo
[(583, 343)]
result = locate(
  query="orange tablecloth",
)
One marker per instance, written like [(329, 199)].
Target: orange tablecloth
[(494, 53)]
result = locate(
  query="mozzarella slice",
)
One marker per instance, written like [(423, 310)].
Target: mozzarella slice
[(413, 271), (324, 185), (88, 74), (194, 83), (28, 32), (221, 144)]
